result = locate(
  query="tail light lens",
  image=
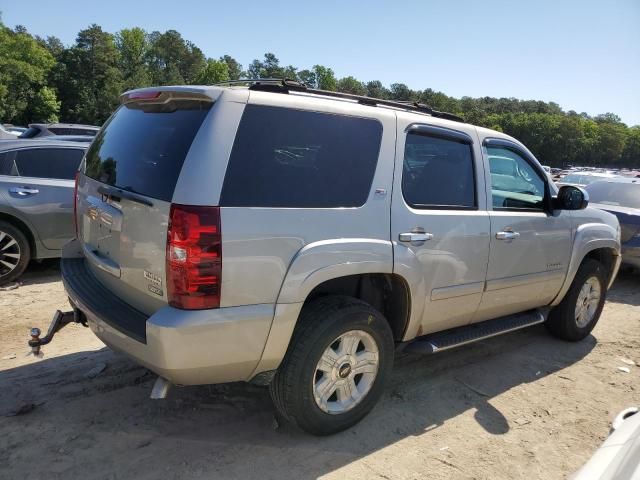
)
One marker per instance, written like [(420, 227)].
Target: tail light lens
[(194, 257), (75, 203)]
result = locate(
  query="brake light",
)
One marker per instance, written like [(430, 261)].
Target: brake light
[(194, 257), (144, 95), (75, 203)]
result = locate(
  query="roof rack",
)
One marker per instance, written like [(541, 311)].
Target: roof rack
[(286, 85)]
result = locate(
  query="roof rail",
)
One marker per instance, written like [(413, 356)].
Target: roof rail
[(286, 85)]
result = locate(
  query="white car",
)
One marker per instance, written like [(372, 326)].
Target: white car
[(619, 456)]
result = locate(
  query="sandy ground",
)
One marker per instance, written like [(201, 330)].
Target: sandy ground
[(522, 405)]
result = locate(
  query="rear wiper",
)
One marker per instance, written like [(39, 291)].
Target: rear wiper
[(118, 193)]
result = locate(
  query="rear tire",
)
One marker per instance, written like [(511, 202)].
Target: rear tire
[(15, 252), (576, 316), (336, 367)]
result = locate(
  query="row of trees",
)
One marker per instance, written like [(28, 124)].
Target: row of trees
[(43, 80)]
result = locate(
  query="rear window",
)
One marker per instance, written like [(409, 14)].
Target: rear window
[(293, 158), (142, 147), (58, 163)]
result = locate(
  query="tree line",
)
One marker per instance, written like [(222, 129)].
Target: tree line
[(41, 79)]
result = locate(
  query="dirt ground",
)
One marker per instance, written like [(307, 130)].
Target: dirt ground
[(522, 405)]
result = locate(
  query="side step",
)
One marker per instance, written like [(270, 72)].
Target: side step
[(437, 342)]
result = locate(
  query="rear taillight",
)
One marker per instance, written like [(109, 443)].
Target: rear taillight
[(194, 257), (75, 204)]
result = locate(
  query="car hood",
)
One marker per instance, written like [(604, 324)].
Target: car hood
[(629, 219)]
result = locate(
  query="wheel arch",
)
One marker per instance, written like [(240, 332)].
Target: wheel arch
[(597, 241), (360, 268)]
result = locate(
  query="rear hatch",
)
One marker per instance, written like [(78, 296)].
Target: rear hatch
[(125, 191)]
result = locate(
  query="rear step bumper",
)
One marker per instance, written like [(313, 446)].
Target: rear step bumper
[(187, 347), (456, 337)]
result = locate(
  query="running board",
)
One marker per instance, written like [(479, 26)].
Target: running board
[(437, 342)]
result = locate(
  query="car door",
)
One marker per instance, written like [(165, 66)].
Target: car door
[(439, 226), (530, 243), (40, 187)]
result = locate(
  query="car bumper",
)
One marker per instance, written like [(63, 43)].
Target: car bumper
[(631, 256), (186, 347)]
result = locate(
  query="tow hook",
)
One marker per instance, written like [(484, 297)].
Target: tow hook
[(60, 320)]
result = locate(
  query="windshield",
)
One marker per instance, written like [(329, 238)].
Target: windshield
[(615, 193)]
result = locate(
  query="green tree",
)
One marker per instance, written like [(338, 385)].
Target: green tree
[(351, 85), (215, 71), (24, 68), (89, 81), (173, 60), (325, 78), (233, 67), (375, 89), (133, 47)]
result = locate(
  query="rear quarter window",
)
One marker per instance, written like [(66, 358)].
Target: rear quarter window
[(292, 158)]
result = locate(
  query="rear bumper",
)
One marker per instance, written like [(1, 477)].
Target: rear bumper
[(186, 347)]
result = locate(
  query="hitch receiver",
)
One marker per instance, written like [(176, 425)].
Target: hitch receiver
[(60, 320)]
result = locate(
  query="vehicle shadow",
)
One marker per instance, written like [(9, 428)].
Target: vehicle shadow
[(625, 288), (230, 431), (39, 272)]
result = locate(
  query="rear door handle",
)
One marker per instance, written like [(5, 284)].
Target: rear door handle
[(507, 235), (24, 191), (411, 237)]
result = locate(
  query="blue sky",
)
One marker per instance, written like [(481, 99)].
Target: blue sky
[(584, 55)]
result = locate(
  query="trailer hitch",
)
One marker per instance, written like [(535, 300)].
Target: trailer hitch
[(60, 320)]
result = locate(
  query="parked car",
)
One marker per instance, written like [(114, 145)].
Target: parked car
[(46, 129), (13, 129), (36, 201), (621, 197), (294, 237), (5, 134), (582, 179), (619, 456)]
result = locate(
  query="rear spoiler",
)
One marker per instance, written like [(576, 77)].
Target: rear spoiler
[(159, 97)]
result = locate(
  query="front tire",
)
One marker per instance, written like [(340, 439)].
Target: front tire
[(336, 367), (14, 253), (576, 316)]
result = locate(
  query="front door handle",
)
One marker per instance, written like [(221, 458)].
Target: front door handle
[(24, 191), (507, 235), (411, 237)]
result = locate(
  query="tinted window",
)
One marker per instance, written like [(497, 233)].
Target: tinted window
[(438, 172), (615, 193), (61, 163), (142, 148), (515, 184), (293, 158), (5, 164)]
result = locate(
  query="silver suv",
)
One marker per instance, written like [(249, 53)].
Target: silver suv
[(297, 238)]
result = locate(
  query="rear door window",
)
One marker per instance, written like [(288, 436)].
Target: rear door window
[(438, 173), (292, 158), (142, 147), (57, 163)]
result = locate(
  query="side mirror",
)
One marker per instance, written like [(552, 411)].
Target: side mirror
[(571, 198)]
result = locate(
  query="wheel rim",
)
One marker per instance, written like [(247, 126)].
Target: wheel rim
[(588, 301), (9, 254), (345, 372)]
